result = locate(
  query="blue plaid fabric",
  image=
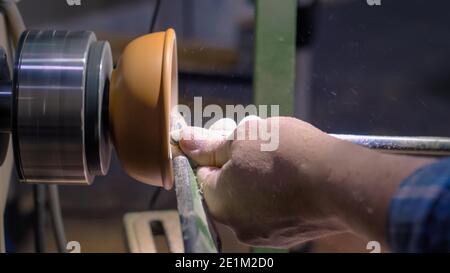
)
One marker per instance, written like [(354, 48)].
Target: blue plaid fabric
[(419, 214)]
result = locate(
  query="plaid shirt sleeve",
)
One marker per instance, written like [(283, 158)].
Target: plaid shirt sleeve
[(419, 213)]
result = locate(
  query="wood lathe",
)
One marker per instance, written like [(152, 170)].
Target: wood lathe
[(66, 107)]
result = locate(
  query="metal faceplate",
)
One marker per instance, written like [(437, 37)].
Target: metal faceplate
[(5, 105), (49, 108)]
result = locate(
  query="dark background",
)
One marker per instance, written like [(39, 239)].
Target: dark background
[(374, 70)]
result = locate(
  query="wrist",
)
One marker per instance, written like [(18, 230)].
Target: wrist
[(363, 186)]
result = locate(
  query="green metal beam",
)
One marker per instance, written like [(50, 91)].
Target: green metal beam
[(274, 71)]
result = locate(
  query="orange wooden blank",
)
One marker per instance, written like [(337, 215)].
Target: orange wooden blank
[(143, 90)]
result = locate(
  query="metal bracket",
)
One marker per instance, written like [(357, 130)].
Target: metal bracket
[(187, 230), (140, 238)]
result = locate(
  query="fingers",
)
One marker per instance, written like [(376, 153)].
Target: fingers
[(209, 147), (209, 183), (207, 179), (205, 147), (249, 118), (224, 126)]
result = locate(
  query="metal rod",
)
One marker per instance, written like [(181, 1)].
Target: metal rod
[(15, 20), (57, 219), (432, 146), (40, 217)]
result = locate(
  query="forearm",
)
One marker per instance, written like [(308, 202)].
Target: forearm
[(312, 185), (362, 185)]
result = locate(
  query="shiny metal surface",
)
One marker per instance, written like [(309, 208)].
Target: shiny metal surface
[(431, 146), (5, 95), (50, 90), (5, 105), (98, 144)]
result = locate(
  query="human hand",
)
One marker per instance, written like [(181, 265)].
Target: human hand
[(269, 198)]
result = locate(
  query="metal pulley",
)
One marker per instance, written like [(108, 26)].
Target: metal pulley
[(60, 133), (64, 108)]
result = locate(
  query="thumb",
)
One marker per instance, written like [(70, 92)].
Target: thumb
[(205, 147)]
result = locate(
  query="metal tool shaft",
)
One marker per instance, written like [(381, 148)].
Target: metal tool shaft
[(431, 146)]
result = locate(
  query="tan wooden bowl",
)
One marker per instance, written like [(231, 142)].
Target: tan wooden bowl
[(143, 90)]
